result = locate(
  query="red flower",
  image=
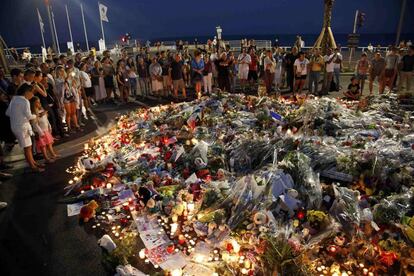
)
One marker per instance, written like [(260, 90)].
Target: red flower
[(167, 155), (300, 215), (388, 257), (203, 173), (170, 249), (229, 247)]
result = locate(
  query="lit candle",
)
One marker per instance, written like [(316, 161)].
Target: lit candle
[(174, 227), (142, 254), (190, 207), (177, 272)]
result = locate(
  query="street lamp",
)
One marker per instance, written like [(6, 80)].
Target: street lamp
[(219, 31)]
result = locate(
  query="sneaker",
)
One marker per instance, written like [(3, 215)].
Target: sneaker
[(3, 205)]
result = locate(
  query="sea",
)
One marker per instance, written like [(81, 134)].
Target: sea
[(383, 40)]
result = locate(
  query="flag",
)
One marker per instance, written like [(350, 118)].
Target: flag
[(361, 19), (102, 11), (42, 25)]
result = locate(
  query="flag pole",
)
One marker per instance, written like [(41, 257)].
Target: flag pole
[(51, 26), (41, 29), (54, 28), (84, 28), (70, 30), (351, 53), (401, 22)]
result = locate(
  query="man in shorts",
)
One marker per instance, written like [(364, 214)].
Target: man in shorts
[(176, 74), (243, 61), (375, 72), (301, 69), (362, 70)]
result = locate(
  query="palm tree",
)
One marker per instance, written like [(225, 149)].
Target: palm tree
[(326, 38)]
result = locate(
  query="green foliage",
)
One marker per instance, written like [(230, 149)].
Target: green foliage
[(280, 257)]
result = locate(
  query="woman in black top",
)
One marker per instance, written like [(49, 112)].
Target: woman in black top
[(53, 109), (223, 72)]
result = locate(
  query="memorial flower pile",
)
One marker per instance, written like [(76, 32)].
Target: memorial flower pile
[(244, 185)]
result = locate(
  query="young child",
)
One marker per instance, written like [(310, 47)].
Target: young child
[(43, 130), (354, 91)]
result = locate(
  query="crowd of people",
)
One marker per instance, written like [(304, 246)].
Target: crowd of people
[(52, 99)]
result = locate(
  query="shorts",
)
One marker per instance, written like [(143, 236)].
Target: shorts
[(243, 73), (156, 85), (373, 76), (166, 81), (178, 84), (109, 82), (89, 91), (301, 77), (43, 141), (389, 73), (252, 75), (23, 137), (362, 76)]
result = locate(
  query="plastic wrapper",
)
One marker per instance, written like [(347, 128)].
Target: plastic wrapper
[(305, 179), (345, 208), (393, 208), (250, 155)]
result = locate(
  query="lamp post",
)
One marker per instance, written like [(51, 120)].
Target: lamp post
[(219, 32)]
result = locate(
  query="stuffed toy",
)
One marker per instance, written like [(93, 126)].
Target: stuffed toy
[(88, 211)]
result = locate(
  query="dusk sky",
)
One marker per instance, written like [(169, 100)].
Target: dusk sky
[(148, 19)]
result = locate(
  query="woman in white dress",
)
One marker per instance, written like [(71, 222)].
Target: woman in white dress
[(20, 116)]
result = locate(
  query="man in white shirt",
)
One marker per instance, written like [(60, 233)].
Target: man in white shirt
[(329, 70), (244, 60), (301, 69), (337, 68), (20, 117)]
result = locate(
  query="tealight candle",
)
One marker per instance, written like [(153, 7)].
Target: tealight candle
[(174, 227), (141, 254), (177, 272)]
